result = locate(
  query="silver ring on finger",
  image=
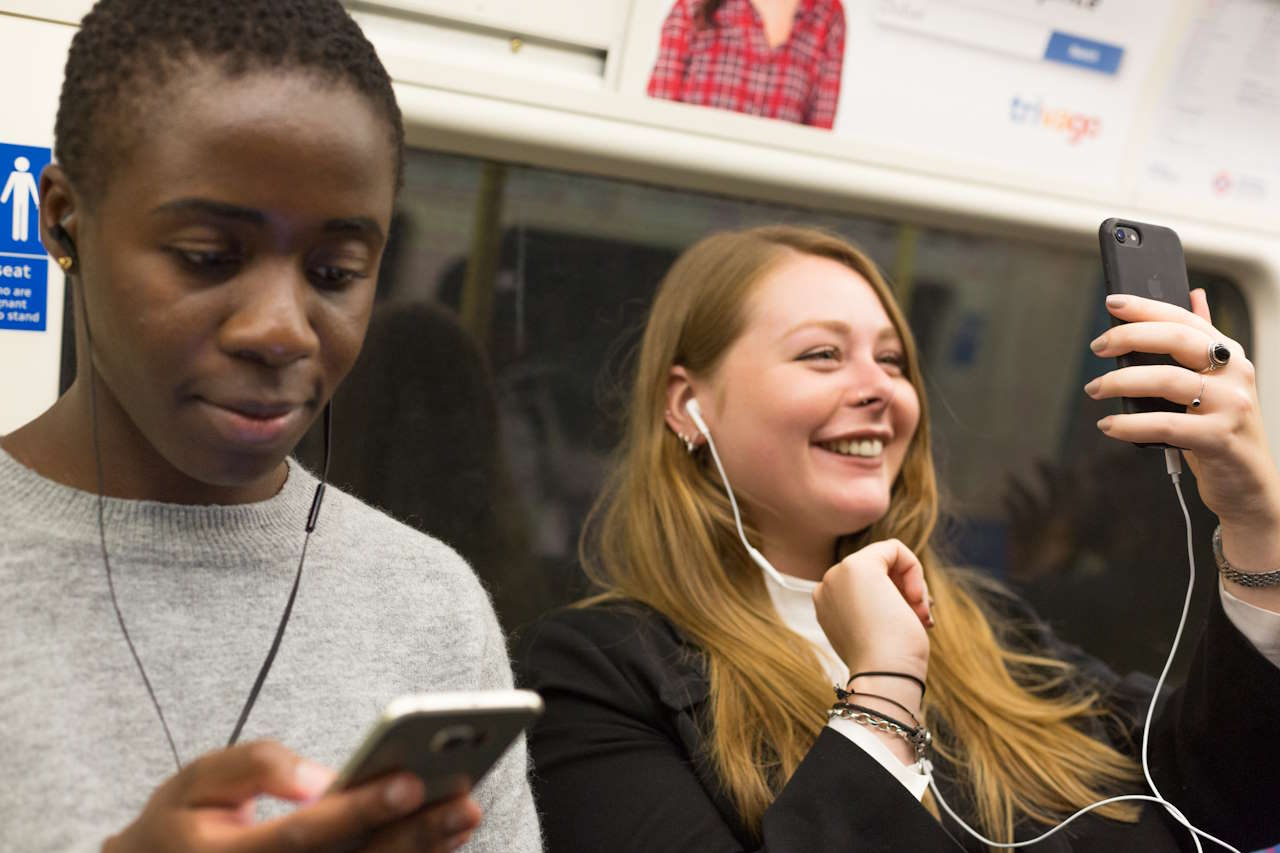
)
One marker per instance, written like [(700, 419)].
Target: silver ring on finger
[(1219, 355), (1195, 402)]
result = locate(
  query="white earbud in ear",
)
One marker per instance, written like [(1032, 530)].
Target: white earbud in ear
[(695, 412)]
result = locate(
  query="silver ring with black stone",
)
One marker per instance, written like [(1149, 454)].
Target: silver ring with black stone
[(1219, 355)]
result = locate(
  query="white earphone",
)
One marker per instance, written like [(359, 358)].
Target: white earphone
[(695, 412)]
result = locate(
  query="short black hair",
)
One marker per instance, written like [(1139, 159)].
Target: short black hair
[(126, 50)]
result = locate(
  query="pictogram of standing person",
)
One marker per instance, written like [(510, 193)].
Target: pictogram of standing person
[(22, 186)]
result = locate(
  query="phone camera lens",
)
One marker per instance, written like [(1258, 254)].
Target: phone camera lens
[(451, 738), (1119, 235)]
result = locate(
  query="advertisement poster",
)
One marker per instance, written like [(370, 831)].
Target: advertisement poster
[(780, 60), (1047, 87), (1217, 135), (1026, 86)]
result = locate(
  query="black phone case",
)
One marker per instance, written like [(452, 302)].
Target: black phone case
[(1155, 270)]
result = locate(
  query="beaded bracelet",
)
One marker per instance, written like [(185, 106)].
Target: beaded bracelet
[(919, 737)]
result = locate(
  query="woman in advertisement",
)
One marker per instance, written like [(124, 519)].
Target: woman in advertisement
[(690, 705), (779, 59)]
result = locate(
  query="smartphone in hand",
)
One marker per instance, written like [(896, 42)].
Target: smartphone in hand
[(1140, 259), (449, 740)]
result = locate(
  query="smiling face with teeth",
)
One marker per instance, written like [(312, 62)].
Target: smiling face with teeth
[(812, 409)]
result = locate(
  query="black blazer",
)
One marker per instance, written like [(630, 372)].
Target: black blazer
[(618, 755)]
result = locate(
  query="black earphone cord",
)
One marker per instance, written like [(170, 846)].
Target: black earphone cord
[(312, 517)]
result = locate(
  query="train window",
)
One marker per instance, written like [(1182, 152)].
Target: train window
[(486, 402)]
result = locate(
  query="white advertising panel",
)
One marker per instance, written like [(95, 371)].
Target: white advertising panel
[(1216, 138), (1029, 86), (1046, 91)]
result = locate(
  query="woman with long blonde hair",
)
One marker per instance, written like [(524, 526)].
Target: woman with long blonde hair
[(690, 704)]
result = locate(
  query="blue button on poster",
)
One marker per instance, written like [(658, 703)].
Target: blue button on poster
[(24, 266), (1086, 53)]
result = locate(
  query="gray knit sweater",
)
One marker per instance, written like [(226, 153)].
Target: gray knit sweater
[(382, 610)]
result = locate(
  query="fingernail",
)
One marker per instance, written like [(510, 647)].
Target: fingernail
[(312, 777), (456, 820), (404, 793), (1105, 424), (1099, 343), (455, 843), (1116, 300), (1092, 387)]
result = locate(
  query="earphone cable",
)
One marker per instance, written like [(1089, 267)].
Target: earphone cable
[(102, 533), (312, 518), (754, 553), (728, 490), (1173, 466)]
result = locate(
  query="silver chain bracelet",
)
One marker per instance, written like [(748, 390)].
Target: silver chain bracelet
[(1256, 580), (919, 737)]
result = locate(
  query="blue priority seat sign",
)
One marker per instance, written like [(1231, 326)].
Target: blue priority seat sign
[(24, 265)]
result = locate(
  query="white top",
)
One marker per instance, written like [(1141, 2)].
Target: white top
[(1260, 627), (795, 607)]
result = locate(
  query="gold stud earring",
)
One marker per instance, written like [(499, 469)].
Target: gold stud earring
[(65, 262)]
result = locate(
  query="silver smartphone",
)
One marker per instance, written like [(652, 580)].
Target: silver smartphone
[(450, 740)]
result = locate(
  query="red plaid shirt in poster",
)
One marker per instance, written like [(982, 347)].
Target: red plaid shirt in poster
[(729, 65)]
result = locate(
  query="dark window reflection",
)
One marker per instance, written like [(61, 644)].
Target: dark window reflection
[(488, 396)]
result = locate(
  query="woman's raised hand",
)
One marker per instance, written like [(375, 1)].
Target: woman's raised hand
[(208, 806), (1223, 436), (874, 607)]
